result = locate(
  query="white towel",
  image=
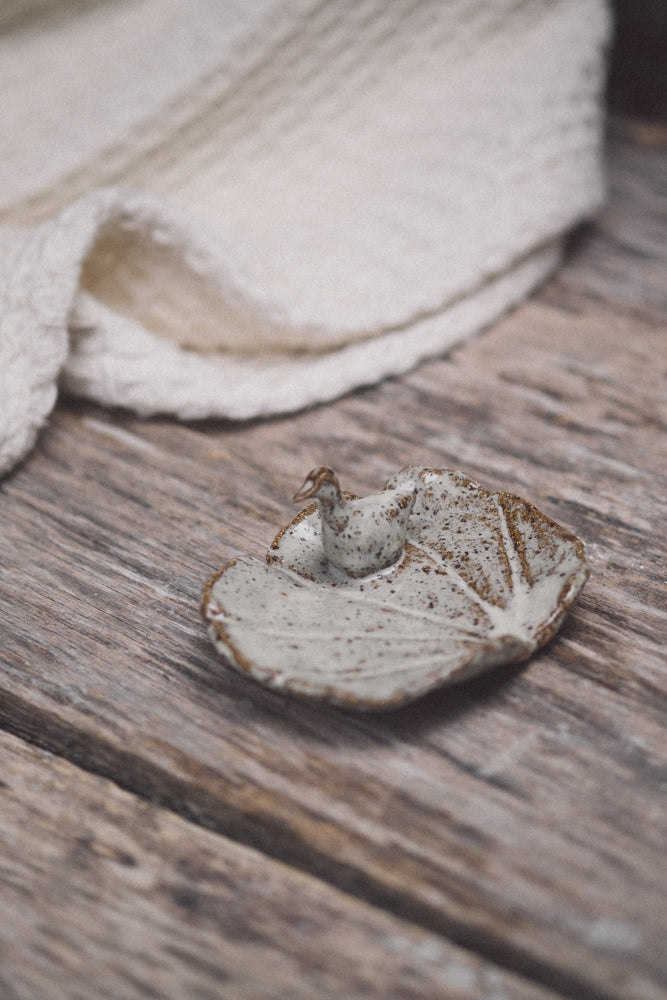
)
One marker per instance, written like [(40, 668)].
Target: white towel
[(232, 210)]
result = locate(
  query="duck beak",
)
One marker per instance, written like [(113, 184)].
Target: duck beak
[(306, 491)]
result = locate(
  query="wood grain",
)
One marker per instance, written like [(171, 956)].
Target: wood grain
[(104, 891), (522, 816)]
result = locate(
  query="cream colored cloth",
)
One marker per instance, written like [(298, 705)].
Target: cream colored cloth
[(232, 210)]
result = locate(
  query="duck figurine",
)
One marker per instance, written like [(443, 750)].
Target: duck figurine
[(359, 535)]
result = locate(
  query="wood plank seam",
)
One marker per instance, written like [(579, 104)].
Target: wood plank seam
[(132, 774)]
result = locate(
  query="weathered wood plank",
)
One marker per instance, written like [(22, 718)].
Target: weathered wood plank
[(523, 815), (105, 895)]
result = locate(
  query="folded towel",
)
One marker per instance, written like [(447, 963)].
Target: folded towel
[(232, 210)]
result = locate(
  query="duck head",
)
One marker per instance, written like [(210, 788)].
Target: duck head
[(321, 483)]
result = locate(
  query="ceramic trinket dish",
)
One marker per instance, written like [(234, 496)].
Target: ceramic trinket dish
[(371, 602)]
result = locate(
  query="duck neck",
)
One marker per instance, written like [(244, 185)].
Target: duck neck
[(332, 504)]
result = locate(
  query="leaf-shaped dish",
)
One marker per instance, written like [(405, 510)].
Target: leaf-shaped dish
[(484, 579)]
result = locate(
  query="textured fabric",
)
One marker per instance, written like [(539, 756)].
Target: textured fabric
[(230, 209)]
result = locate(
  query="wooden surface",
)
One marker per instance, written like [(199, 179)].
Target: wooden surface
[(170, 829), (112, 896)]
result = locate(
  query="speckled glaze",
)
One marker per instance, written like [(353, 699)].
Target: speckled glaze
[(359, 535), (479, 578)]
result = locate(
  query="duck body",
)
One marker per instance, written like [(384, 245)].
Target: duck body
[(363, 535)]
